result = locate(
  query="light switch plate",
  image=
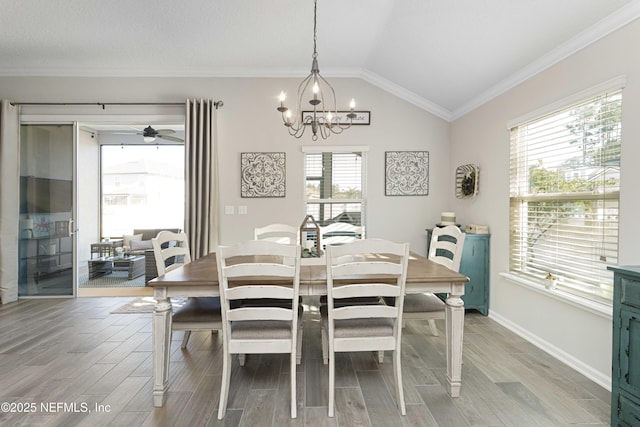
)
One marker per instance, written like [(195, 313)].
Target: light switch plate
[(229, 210), (242, 210)]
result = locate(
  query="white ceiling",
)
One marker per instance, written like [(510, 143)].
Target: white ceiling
[(446, 56)]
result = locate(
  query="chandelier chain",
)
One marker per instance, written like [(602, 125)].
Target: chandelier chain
[(315, 31)]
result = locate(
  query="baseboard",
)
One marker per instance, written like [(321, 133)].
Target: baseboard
[(586, 370)]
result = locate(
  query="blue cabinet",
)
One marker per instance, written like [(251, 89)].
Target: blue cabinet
[(474, 265), (625, 375)]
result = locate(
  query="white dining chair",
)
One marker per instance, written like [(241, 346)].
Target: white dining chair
[(445, 249), (171, 251), (363, 269), (280, 233), (259, 329)]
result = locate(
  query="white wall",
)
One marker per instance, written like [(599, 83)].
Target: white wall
[(481, 137), (249, 122)]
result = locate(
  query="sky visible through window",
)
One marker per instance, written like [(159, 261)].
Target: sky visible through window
[(142, 187)]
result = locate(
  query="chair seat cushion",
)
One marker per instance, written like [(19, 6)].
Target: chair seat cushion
[(422, 303), (201, 309), (351, 328), (260, 329)]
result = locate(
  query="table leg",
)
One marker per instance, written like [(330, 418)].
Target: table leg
[(161, 333), (455, 329)]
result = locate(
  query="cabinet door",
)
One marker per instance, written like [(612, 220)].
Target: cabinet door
[(628, 412), (630, 351), (474, 266)]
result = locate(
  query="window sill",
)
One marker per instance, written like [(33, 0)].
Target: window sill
[(598, 308)]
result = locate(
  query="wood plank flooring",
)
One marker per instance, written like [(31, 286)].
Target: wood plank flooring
[(68, 362)]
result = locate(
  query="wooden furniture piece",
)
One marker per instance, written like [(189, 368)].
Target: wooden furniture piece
[(279, 233), (353, 326), (445, 249), (171, 251), (475, 264), (134, 265), (625, 378), (200, 278), (255, 328)]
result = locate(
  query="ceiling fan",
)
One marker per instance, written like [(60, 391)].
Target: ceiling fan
[(149, 134)]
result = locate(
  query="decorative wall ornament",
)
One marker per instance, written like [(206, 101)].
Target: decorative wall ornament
[(406, 173), (467, 179), (263, 174)]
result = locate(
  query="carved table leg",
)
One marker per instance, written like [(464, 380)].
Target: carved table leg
[(455, 328), (161, 328)]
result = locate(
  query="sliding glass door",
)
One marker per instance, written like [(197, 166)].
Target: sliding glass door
[(46, 243)]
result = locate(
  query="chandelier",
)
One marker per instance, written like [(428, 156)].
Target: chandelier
[(322, 114)]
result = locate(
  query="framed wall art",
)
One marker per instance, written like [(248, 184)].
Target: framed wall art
[(262, 174), (406, 173), (362, 117), (467, 179)]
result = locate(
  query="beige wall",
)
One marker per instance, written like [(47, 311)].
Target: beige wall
[(249, 122), (481, 137)]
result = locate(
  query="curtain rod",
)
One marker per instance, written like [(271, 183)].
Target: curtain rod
[(217, 104)]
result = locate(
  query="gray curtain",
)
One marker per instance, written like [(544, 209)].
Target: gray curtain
[(201, 177), (9, 200)]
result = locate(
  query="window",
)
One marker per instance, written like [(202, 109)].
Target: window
[(142, 187), (564, 195), (334, 186)]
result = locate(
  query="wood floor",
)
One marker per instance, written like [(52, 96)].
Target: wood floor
[(69, 362)]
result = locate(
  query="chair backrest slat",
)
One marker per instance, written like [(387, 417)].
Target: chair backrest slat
[(365, 289), (378, 267), (278, 233), (259, 269), (259, 291), (365, 312), (260, 313)]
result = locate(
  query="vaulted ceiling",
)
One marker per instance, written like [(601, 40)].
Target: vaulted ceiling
[(446, 56)]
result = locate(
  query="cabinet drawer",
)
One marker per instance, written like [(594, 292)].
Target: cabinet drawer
[(630, 292), (628, 412)]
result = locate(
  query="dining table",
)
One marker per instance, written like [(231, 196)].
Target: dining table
[(200, 279)]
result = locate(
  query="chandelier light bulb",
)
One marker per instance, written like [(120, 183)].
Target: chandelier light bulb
[(283, 96), (316, 88), (352, 104)]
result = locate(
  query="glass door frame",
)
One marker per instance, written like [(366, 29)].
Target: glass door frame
[(25, 120)]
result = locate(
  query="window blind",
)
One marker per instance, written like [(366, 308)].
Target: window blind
[(334, 186), (564, 195)]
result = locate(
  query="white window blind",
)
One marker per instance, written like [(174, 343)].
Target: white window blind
[(334, 187), (564, 195)]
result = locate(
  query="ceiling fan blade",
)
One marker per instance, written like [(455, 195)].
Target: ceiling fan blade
[(165, 131), (170, 138)]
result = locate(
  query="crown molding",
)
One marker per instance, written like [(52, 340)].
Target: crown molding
[(602, 28), (405, 94)]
